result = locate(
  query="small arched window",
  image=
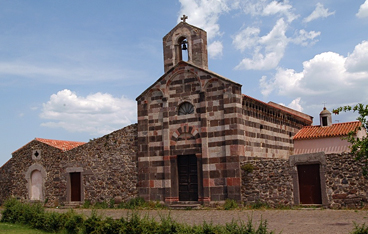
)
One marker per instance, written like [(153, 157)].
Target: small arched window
[(186, 108)]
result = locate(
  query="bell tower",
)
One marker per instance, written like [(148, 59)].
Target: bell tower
[(185, 38)]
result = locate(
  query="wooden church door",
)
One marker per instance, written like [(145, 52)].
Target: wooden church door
[(188, 178), (309, 184), (75, 186)]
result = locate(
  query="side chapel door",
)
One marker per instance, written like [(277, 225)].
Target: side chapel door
[(309, 184), (75, 186)]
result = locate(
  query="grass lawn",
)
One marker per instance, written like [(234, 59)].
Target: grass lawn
[(10, 228)]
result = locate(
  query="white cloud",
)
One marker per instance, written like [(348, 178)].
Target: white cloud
[(358, 60), (267, 8), (305, 38), (96, 114), (328, 77), (268, 50), (282, 8), (215, 49), (319, 12), (363, 10), (295, 104)]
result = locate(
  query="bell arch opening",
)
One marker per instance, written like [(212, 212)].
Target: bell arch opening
[(183, 49)]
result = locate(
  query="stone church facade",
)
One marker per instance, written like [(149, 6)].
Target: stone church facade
[(195, 131)]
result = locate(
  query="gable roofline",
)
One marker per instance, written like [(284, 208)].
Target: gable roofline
[(58, 144), (181, 63), (305, 117), (7, 162), (181, 24), (335, 130)]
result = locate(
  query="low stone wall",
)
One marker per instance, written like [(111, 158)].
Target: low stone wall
[(345, 184), (271, 182)]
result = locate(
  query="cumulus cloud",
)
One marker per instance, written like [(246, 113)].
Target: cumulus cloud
[(328, 77), (215, 49), (296, 105), (267, 50), (358, 60), (319, 12), (363, 10), (96, 114)]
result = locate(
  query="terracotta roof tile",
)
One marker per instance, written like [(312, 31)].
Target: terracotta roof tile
[(335, 130), (63, 145)]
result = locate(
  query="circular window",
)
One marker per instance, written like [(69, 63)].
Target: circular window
[(186, 108)]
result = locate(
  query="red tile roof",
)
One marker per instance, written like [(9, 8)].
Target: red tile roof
[(335, 130), (63, 145)]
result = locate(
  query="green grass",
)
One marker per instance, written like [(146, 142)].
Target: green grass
[(10, 228)]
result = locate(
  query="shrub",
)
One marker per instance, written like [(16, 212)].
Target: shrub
[(259, 205), (247, 168), (86, 204), (230, 204), (101, 205), (74, 223)]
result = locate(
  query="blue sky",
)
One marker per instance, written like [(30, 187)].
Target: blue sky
[(71, 70)]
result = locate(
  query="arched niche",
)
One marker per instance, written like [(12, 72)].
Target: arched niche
[(36, 177)]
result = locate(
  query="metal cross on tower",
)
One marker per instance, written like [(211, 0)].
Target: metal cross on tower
[(184, 18)]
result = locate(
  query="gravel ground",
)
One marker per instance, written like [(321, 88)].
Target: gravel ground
[(284, 221)]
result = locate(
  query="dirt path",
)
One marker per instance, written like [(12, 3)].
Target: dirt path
[(285, 221)]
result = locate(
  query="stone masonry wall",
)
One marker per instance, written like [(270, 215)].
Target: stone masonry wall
[(345, 183), (108, 167), (48, 162), (269, 130), (271, 182), (5, 181)]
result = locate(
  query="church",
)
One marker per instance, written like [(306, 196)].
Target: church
[(195, 138)]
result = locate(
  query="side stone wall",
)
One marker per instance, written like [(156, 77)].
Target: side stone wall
[(345, 184), (5, 181), (271, 182), (108, 167)]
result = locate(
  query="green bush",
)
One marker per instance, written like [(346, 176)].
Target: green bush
[(259, 205), (247, 168), (86, 204), (230, 204), (34, 216)]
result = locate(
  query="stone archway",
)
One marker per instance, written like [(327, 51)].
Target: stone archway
[(36, 177)]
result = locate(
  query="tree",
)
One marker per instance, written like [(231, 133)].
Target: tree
[(359, 147)]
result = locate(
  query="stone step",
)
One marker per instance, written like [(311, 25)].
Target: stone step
[(185, 206)]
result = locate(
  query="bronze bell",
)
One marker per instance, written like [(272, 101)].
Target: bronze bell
[(184, 45)]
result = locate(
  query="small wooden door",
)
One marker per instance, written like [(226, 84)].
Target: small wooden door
[(188, 178), (309, 184), (75, 186)]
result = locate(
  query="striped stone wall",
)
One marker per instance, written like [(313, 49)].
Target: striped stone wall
[(212, 133), (269, 130)]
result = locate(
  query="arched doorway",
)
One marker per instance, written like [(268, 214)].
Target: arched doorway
[(36, 185)]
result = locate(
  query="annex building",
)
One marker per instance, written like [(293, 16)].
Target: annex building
[(198, 139)]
